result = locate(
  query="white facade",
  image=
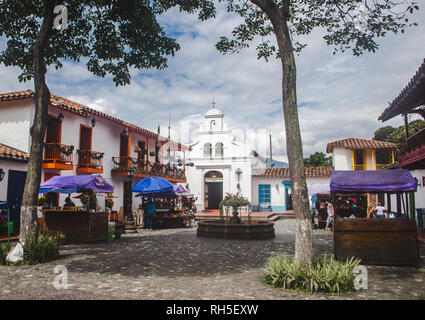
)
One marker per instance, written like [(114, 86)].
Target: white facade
[(215, 149), (16, 118)]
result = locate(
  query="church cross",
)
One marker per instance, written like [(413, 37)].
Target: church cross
[(213, 104)]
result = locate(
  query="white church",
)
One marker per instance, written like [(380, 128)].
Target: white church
[(222, 164)]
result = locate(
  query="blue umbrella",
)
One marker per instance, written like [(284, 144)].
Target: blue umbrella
[(153, 186)]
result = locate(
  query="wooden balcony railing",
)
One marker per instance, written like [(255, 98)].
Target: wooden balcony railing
[(416, 140), (58, 156), (146, 168), (380, 166), (90, 161)]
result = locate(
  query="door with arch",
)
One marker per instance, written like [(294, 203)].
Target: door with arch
[(213, 189)]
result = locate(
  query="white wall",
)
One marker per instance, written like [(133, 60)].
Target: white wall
[(15, 124), (342, 159)]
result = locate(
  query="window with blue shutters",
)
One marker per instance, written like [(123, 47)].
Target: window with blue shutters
[(264, 193)]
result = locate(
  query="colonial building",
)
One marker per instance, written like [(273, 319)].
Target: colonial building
[(271, 187), (411, 101), (361, 154), (81, 140)]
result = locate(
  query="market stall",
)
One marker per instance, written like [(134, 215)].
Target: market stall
[(88, 223), (375, 241), (171, 209)]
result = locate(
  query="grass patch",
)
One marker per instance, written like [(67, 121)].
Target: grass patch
[(42, 249), (4, 250), (324, 275)]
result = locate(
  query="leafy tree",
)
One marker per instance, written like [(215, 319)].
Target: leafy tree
[(398, 136), (346, 24), (383, 133), (110, 35), (318, 159)]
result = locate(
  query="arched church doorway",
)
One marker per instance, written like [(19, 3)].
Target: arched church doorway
[(213, 189)]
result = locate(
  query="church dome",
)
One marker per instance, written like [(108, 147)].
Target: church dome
[(214, 112)]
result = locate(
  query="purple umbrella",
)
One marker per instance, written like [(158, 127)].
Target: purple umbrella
[(71, 184)]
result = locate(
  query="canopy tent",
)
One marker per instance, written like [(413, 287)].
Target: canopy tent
[(320, 188), (178, 188), (153, 186), (373, 181), (71, 184)]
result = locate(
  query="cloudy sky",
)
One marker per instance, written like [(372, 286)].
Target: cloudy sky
[(339, 96)]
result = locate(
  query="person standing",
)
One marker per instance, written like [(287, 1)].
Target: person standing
[(330, 211), (380, 211), (150, 212)]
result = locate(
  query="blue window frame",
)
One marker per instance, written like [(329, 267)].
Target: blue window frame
[(264, 193)]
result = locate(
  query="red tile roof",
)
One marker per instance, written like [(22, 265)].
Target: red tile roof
[(80, 109), (310, 172), (10, 153), (412, 96), (356, 143)]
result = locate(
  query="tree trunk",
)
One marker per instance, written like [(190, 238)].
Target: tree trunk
[(304, 235), (29, 221)]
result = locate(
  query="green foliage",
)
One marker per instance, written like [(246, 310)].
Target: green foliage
[(111, 36), (325, 275), (42, 249), (4, 250), (397, 135), (89, 199), (337, 18), (383, 133), (318, 159), (234, 201)]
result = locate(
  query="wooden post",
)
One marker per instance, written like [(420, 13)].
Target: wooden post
[(406, 127), (411, 196)]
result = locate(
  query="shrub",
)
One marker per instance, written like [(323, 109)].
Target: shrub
[(42, 249), (89, 199), (234, 201), (4, 250), (324, 275)]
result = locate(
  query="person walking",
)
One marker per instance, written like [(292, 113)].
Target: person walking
[(150, 212), (330, 211)]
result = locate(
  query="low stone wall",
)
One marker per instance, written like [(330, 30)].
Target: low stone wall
[(257, 230)]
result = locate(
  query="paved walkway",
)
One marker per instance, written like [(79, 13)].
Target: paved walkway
[(176, 264)]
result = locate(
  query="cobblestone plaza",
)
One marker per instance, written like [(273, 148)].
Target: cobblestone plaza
[(176, 264)]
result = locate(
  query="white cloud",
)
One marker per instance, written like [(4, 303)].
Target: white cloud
[(339, 95)]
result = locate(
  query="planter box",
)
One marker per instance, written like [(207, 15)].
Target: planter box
[(377, 241)]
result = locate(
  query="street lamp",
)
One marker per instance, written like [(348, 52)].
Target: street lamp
[(2, 174), (60, 117), (238, 173), (93, 122)]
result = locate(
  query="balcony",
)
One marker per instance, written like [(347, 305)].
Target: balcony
[(380, 166), (58, 156), (416, 140), (90, 161), (414, 155), (127, 166)]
